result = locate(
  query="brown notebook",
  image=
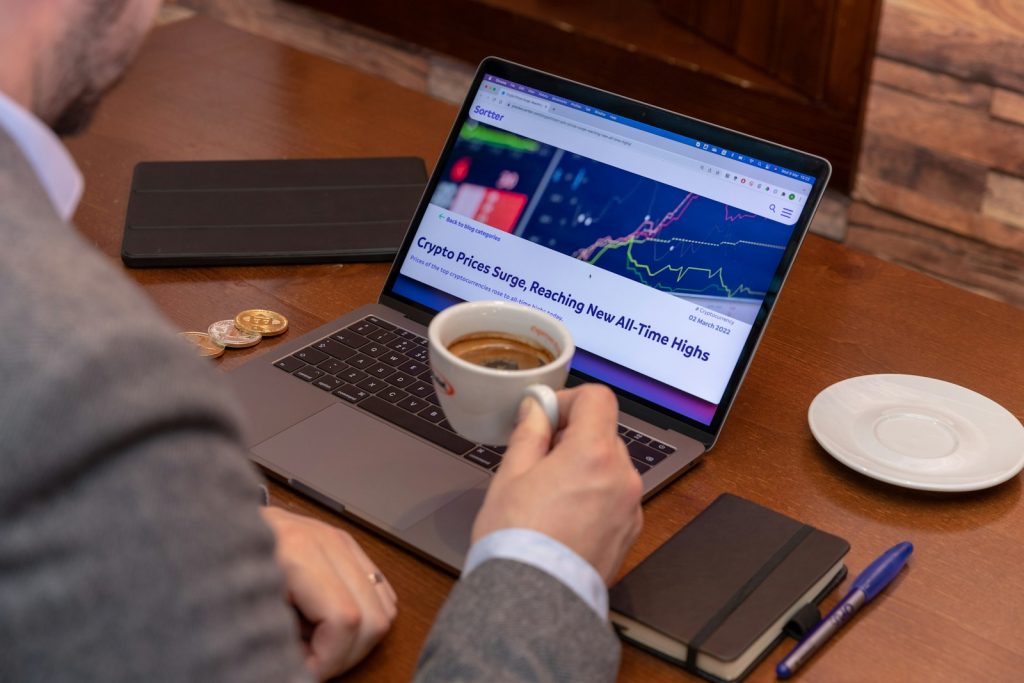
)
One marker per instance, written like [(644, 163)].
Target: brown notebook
[(716, 596)]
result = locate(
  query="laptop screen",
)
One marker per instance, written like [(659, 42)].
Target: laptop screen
[(656, 248)]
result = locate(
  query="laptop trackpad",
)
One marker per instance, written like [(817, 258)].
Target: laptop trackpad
[(369, 466)]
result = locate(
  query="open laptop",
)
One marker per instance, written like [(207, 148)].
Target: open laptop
[(661, 242)]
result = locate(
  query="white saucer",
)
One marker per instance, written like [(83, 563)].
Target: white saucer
[(918, 432)]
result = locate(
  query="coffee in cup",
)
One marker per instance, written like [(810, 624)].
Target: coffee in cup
[(500, 351)]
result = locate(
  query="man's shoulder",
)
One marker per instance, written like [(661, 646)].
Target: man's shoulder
[(81, 346), (57, 286), (56, 283)]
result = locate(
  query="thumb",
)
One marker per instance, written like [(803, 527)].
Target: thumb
[(529, 442)]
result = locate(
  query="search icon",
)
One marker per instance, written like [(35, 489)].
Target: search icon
[(772, 207)]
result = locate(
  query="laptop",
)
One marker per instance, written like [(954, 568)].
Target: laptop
[(661, 242)]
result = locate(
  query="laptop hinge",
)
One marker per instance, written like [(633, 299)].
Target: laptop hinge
[(410, 311), (651, 415)]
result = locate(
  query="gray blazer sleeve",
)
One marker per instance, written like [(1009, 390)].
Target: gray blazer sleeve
[(507, 621), (130, 544)]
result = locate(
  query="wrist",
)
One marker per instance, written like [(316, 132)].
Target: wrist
[(539, 550)]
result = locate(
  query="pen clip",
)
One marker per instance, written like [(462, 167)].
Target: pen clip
[(801, 623)]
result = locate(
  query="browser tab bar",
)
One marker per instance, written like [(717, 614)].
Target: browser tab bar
[(707, 171)]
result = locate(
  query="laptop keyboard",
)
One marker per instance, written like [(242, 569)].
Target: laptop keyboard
[(383, 369)]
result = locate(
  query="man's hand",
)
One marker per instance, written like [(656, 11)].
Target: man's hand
[(583, 492), (336, 589)]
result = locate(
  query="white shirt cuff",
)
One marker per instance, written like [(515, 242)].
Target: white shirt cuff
[(545, 553)]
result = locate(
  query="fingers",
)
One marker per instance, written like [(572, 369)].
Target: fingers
[(588, 408), (529, 441), (331, 610), (346, 636), (589, 415), (583, 492), (373, 575), (332, 583)]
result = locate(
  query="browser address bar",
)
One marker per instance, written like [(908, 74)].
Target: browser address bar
[(584, 129), (530, 102)]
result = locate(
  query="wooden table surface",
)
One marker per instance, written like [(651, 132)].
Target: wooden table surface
[(204, 91)]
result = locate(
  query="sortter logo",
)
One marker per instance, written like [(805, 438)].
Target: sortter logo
[(487, 113)]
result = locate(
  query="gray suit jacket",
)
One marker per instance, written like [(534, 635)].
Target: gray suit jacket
[(130, 547), (507, 621)]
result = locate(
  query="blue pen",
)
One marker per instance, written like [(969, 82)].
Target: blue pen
[(869, 584)]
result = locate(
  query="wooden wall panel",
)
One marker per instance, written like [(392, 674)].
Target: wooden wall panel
[(960, 132), (977, 40), (931, 85), (926, 210), (960, 260), (1008, 106), (1004, 199), (941, 179), (940, 185)]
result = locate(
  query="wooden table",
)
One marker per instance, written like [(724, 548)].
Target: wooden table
[(203, 91)]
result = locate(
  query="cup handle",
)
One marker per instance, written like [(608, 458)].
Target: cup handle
[(545, 397)]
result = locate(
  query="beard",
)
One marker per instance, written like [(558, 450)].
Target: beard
[(76, 116), (89, 59)]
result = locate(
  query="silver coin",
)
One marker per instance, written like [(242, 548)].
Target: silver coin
[(225, 332)]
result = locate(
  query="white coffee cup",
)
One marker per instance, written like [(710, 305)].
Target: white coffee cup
[(481, 402)]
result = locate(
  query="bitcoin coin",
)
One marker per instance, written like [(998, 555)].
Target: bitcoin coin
[(203, 343), (267, 323), (226, 333)]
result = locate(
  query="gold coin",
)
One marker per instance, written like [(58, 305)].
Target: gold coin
[(267, 323), (226, 333), (203, 343)]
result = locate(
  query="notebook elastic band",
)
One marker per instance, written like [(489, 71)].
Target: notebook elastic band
[(740, 595)]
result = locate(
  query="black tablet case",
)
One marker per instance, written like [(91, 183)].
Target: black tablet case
[(270, 211)]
